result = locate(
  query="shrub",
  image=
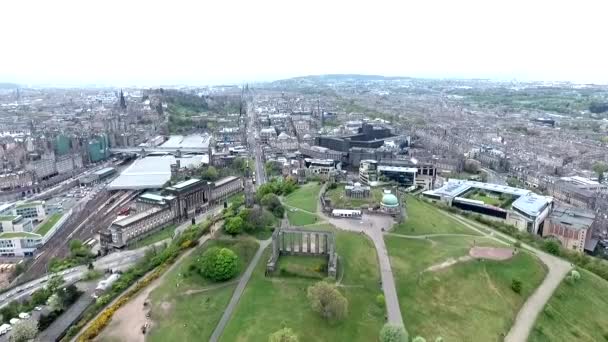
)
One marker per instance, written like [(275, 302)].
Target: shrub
[(219, 264), (283, 335), (418, 339), (552, 247), (380, 300), (516, 285), (517, 244), (326, 300), (234, 225), (573, 277), (393, 333)]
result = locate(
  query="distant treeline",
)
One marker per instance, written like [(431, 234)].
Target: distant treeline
[(598, 107)]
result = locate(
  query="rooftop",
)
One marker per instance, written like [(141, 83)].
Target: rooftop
[(188, 141), (12, 235), (185, 184), (8, 217), (134, 218), (397, 168), (532, 204), (574, 217), (104, 171), (29, 204), (457, 187), (152, 172), (152, 197), (225, 180)]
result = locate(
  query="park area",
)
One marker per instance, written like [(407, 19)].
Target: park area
[(424, 218), (497, 200), (280, 300), (577, 312), (445, 291), (340, 200), (184, 306), (305, 198)]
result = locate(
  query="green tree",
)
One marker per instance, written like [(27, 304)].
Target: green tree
[(393, 333), (283, 335), (273, 204), (75, 245), (24, 330), (40, 296), (55, 303), (552, 247), (326, 300), (234, 225), (54, 283), (210, 174), (600, 168), (219, 264), (418, 339)]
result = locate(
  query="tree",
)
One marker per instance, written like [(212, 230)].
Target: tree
[(393, 333), (552, 247), (418, 339), (600, 168), (55, 303), (75, 245), (516, 285), (54, 283), (24, 330), (273, 204), (234, 226), (219, 264), (40, 296), (283, 335), (573, 277), (326, 300), (209, 174)]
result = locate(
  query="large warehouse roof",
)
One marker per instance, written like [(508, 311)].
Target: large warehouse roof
[(152, 172), (188, 141)]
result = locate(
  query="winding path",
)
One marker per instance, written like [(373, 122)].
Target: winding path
[(526, 317), (236, 296)]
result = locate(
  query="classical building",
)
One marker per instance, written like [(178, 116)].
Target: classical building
[(389, 204), (190, 196), (225, 187), (357, 190)]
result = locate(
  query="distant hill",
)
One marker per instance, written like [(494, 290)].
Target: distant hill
[(343, 77), (8, 85)]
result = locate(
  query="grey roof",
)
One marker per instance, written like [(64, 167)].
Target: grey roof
[(225, 180), (576, 218), (397, 168), (186, 184), (151, 172), (136, 217), (532, 204), (104, 171), (188, 141)]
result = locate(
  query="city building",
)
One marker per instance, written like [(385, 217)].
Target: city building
[(225, 187), (191, 196), (15, 223), (573, 227), (519, 207), (368, 172), (135, 227), (404, 176), (34, 210), (323, 168), (19, 244)]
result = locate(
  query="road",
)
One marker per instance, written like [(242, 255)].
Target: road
[(254, 145)]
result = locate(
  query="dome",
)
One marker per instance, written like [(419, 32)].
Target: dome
[(390, 200)]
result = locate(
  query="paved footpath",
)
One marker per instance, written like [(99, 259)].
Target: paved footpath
[(219, 329), (526, 317)]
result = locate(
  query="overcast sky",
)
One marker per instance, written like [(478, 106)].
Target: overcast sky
[(228, 41)]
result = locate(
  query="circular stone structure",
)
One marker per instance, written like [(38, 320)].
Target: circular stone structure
[(492, 253), (389, 203)]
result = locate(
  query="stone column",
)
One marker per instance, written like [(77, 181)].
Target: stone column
[(292, 242), (316, 243), (308, 242)]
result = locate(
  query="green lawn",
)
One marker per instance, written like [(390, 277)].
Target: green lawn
[(165, 233), (269, 303), (300, 218), (308, 267), (576, 312), (468, 301), (306, 197), (424, 218), (44, 227), (340, 200), (186, 306)]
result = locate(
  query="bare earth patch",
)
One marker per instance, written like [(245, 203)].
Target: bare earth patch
[(492, 253)]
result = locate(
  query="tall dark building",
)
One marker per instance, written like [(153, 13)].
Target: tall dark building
[(123, 103)]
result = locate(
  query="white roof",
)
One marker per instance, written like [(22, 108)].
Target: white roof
[(152, 172), (454, 188), (532, 204), (345, 211), (397, 168)]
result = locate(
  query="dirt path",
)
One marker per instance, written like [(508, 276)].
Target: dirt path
[(558, 268), (448, 263)]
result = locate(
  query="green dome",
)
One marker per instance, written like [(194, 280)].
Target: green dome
[(390, 200)]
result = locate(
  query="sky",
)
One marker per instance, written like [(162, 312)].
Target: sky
[(201, 42)]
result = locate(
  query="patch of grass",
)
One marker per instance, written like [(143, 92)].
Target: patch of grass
[(300, 218), (269, 303), (468, 301), (306, 197), (44, 227), (306, 267), (423, 218), (576, 312), (165, 233), (186, 306), (340, 200)]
